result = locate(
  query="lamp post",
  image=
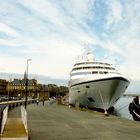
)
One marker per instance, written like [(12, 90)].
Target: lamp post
[(26, 84), (9, 82)]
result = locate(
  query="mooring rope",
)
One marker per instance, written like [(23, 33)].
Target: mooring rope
[(103, 102), (122, 107)]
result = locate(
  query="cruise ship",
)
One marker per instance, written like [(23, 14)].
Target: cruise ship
[(95, 84)]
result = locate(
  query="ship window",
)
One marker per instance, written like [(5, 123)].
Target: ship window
[(77, 64), (94, 72), (87, 86), (93, 67), (80, 73), (115, 72), (103, 72)]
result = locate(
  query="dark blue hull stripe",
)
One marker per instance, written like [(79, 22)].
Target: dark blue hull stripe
[(114, 78)]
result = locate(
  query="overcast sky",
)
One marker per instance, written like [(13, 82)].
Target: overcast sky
[(54, 32)]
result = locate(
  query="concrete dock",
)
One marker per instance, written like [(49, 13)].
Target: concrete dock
[(13, 127), (58, 122)]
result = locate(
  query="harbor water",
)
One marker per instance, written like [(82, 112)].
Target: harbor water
[(121, 107)]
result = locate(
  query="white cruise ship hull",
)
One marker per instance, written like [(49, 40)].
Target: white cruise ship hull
[(100, 93)]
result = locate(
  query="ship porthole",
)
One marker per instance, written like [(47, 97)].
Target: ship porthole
[(87, 86), (91, 99)]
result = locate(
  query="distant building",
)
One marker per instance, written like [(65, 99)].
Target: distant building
[(3, 85), (17, 87)]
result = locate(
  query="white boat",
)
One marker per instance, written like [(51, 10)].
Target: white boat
[(95, 84)]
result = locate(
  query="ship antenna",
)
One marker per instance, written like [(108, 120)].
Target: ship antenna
[(88, 53), (87, 48)]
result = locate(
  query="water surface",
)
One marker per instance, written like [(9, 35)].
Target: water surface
[(121, 107)]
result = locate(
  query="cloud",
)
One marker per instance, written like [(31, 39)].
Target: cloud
[(11, 64), (53, 33), (7, 30), (44, 9), (112, 47), (114, 12), (122, 33)]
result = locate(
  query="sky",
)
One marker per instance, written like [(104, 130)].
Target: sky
[(54, 32)]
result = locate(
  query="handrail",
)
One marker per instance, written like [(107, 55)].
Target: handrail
[(4, 119), (17, 101)]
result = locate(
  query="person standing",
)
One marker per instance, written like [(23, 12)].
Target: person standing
[(37, 101), (43, 101)]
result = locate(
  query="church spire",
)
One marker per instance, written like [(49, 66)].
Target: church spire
[(25, 75)]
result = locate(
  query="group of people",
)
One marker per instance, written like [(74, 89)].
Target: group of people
[(134, 108)]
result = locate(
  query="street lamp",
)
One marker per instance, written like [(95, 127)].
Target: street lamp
[(26, 84), (9, 82)]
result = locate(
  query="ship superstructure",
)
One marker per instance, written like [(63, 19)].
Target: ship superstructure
[(95, 84)]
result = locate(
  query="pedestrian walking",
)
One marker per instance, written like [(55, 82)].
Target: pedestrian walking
[(43, 101), (37, 101)]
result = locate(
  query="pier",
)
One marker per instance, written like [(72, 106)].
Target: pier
[(58, 122)]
